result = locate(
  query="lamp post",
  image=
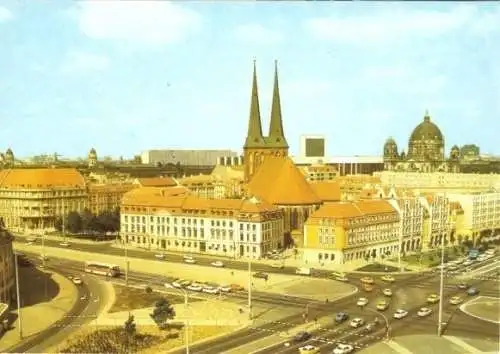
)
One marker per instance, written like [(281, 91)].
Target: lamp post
[(18, 298), (441, 283), (186, 321)]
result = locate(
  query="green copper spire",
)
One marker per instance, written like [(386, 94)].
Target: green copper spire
[(276, 136), (254, 135)]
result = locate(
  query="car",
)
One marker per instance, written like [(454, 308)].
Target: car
[(343, 349), (160, 255), (388, 278), (458, 261), (225, 288), (490, 252), (177, 283), (195, 287), (261, 275), (31, 239), (211, 289), (309, 349), (362, 301), (370, 327), (357, 322), (424, 311), (65, 244), (467, 263), (387, 292), (400, 314), (186, 283), (432, 299), (236, 287), (218, 264), (452, 268), (277, 265), (189, 260), (77, 281), (367, 280), (463, 286), (368, 287), (302, 336), (382, 305), (342, 278), (341, 317), (472, 291), (456, 300)]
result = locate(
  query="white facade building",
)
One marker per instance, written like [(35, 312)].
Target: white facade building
[(225, 227)]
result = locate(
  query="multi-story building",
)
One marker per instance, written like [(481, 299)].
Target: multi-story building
[(436, 220), (170, 219), (481, 215), (204, 186), (185, 157), (155, 182), (106, 197), (7, 275), (35, 198), (319, 172), (440, 180), (346, 231), (352, 187)]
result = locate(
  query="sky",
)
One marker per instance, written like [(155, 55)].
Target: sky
[(125, 76)]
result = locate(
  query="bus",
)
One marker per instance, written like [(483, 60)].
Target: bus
[(111, 270)]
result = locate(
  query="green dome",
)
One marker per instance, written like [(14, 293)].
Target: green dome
[(427, 131)]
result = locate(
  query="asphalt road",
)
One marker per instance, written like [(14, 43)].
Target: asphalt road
[(34, 343)]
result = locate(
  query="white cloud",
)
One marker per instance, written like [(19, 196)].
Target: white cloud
[(151, 22), (83, 62), (259, 34), (5, 14), (398, 24)]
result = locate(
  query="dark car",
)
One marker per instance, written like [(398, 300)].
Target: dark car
[(472, 291), (341, 317), (261, 275), (302, 336)]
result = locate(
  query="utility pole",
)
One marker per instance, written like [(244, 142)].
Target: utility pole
[(18, 298)]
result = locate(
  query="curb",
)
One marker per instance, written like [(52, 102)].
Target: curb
[(208, 339), (463, 308)]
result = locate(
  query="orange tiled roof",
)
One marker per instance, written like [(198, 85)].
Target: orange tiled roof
[(279, 182), (327, 191), (27, 178), (345, 210), (111, 187), (157, 182), (154, 197)]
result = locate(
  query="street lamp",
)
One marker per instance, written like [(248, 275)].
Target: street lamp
[(441, 283), (18, 298), (186, 322)]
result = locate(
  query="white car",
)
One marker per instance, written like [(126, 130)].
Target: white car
[(77, 281), (309, 349), (277, 265), (343, 349), (210, 290), (424, 311), (467, 263), (160, 255), (189, 260), (456, 300), (400, 314), (218, 264), (343, 279), (64, 244), (387, 292), (357, 322), (178, 283), (362, 301), (225, 288), (195, 287)]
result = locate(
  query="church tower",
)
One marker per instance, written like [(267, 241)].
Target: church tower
[(257, 146)]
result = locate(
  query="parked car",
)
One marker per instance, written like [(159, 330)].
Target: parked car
[(209, 289), (463, 286), (225, 288), (195, 287), (236, 287), (160, 255), (424, 311), (341, 317), (217, 264), (65, 244), (277, 265), (261, 275), (388, 278), (302, 336), (189, 260), (177, 283)]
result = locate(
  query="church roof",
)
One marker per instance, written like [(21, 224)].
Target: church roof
[(278, 181), (426, 130)]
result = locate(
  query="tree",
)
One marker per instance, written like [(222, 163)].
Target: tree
[(74, 222), (162, 312), (88, 220), (130, 332), (58, 224), (452, 239)]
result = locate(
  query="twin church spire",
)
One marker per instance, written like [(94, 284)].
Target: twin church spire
[(276, 138)]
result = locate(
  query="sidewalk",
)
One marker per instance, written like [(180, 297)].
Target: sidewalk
[(68, 238), (39, 316)]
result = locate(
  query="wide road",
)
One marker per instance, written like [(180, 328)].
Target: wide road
[(409, 294), (36, 343)]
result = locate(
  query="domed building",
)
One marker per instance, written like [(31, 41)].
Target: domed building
[(425, 151)]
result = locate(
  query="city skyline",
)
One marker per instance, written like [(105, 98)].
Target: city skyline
[(356, 74)]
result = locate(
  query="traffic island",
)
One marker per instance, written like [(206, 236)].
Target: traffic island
[(484, 308)]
